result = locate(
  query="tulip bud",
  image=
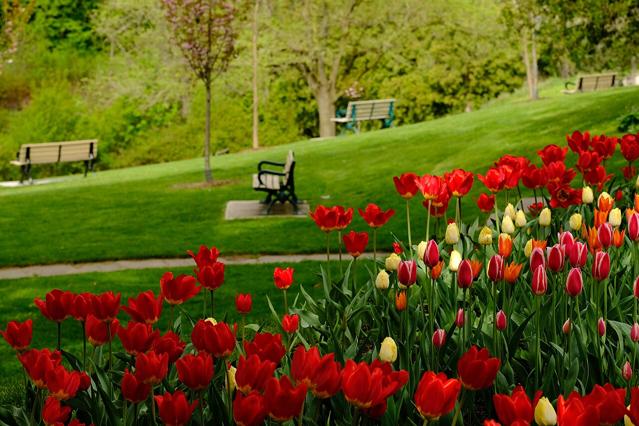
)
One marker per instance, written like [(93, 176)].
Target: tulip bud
[(465, 274), (601, 327), (501, 321), (509, 211), (556, 258), (545, 414), (587, 196), (634, 332), (566, 327), (637, 183), (392, 262), (496, 268), (382, 281), (566, 239), (537, 258), (528, 248), (601, 266), (626, 371), (455, 260), (633, 227), (539, 281), (578, 254), (507, 225), (505, 245), (388, 351), (635, 288), (431, 255), (614, 218), (520, 219), (400, 301), (545, 217), (574, 282), (439, 338), (421, 249), (452, 234), (460, 318), (604, 235), (231, 376), (575, 222), (407, 272), (485, 236)]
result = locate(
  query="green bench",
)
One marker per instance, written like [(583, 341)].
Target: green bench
[(358, 111)]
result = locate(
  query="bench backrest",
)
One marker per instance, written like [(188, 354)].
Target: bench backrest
[(378, 109), (589, 83), (57, 152), (289, 169)]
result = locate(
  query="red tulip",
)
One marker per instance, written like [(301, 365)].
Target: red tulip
[(608, 401), (407, 272), (431, 254), (459, 182), (563, 195), (460, 318), (633, 227), (397, 248), (634, 332), (56, 305), (216, 339), (134, 390), (375, 216), (344, 217), (282, 399), (283, 278), (578, 254), (629, 172), (355, 243), (174, 409), (252, 373), (532, 177), (436, 395), (630, 147), (537, 258), (601, 266), (556, 258), (325, 218), (465, 274), (205, 256), (552, 153), (18, 334), (635, 288), (195, 371), (626, 371), (63, 384), (54, 413), (320, 374), (243, 303), (496, 268), (177, 290), (369, 385), (495, 179), (476, 369), (601, 327), (249, 410), (290, 323), (566, 239), (515, 408), (501, 321), (486, 203), (539, 281), (100, 332), (439, 338), (430, 186), (151, 368), (406, 185), (633, 412), (604, 235), (169, 344), (574, 282), (137, 337), (145, 307), (491, 422), (38, 362), (267, 346), (82, 306), (211, 276), (566, 327), (106, 306), (604, 145)]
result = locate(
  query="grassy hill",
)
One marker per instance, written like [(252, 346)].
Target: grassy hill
[(149, 211)]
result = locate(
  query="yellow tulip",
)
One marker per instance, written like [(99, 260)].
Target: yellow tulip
[(388, 351), (421, 249), (382, 281), (520, 219), (587, 196), (528, 248), (392, 262), (455, 260), (510, 211), (545, 414), (452, 234), (575, 222), (614, 218), (544, 217), (231, 376), (507, 225), (485, 236)]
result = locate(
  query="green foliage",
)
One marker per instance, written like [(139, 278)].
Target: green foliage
[(66, 23)]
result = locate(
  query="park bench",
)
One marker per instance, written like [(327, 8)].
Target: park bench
[(279, 185), (589, 83), (55, 152), (358, 111)]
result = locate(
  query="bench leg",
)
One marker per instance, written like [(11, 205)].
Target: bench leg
[(23, 173), (270, 206), (267, 200), (29, 174)]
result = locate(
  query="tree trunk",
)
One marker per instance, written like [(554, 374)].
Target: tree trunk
[(531, 66), (535, 69), (326, 109), (256, 140), (208, 176)]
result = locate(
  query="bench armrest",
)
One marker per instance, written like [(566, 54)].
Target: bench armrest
[(271, 163), (570, 83)]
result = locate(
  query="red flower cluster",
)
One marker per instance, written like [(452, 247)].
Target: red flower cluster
[(209, 272)]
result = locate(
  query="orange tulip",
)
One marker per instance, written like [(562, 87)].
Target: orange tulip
[(476, 265), (436, 271), (618, 237), (539, 243), (512, 271), (601, 216), (400, 301), (505, 245), (593, 240)]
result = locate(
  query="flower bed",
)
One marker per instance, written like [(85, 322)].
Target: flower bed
[(527, 315)]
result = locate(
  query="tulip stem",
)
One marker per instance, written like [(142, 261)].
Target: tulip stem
[(570, 309), (152, 399), (201, 404), (538, 342), (124, 412), (459, 407), (212, 304), (410, 241), (59, 335), (301, 418), (375, 247), (171, 317), (339, 248), (328, 259), (497, 216), (204, 305), (84, 345), (495, 317), (229, 392), (286, 301), (428, 220)]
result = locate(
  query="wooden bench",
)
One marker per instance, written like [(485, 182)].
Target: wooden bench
[(55, 152), (589, 83), (358, 111), (279, 185)]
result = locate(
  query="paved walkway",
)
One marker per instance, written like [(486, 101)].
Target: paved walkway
[(121, 265)]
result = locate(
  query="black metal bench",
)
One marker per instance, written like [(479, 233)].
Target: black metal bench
[(55, 152), (278, 185)]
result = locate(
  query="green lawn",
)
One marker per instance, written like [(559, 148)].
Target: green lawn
[(140, 213)]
